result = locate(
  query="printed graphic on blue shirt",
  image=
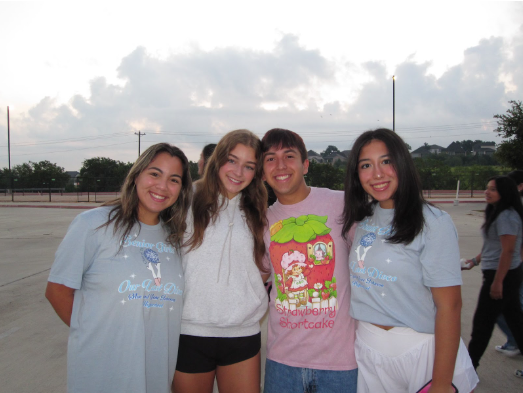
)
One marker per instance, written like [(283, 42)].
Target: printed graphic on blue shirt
[(366, 275), (150, 290)]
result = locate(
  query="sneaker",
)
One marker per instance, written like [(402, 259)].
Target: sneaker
[(519, 373), (507, 351)]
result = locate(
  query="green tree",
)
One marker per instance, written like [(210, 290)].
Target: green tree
[(5, 178), (193, 170), (325, 175), (329, 150), (510, 127), (103, 174), (435, 174), (41, 174)]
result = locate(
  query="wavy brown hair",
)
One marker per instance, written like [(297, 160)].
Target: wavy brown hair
[(253, 201), (124, 213)]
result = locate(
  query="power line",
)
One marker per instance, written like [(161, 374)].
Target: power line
[(306, 134), (67, 140), (66, 151)]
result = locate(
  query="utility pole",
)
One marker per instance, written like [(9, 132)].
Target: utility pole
[(139, 138)]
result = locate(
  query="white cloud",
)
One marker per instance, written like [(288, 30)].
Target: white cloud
[(328, 80)]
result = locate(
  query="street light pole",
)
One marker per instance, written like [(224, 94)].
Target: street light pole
[(8, 141), (394, 103), (9, 155)]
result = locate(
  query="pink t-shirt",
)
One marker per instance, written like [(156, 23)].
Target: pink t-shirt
[(309, 322)]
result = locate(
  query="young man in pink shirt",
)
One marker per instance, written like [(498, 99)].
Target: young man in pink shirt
[(310, 344)]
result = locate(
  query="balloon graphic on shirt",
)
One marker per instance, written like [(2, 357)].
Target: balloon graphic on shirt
[(368, 239), (151, 255), (365, 242), (152, 259)]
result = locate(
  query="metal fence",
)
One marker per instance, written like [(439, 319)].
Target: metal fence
[(438, 182), (79, 189)]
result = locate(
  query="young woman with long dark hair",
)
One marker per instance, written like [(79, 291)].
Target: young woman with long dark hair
[(500, 264), (405, 275), (225, 297), (117, 280)]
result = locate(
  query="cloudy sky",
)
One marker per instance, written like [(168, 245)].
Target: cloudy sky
[(81, 78)]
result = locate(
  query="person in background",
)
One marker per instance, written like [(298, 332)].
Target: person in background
[(405, 275), (204, 157), (510, 348), (224, 298), (500, 259), (117, 280), (310, 343)]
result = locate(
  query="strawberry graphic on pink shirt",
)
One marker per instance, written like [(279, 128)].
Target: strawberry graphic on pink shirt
[(304, 243)]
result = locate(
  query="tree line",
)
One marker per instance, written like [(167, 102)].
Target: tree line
[(437, 171)]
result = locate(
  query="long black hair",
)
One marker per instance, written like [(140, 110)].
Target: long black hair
[(408, 218), (508, 198)]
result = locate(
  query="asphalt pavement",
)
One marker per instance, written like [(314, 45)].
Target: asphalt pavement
[(33, 340)]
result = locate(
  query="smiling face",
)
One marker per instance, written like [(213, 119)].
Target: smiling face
[(377, 174), (158, 187), (239, 170), (296, 270), (491, 193), (283, 170)]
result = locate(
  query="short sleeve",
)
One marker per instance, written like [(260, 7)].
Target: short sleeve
[(266, 262), (508, 223), (75, 253), (440, 253)]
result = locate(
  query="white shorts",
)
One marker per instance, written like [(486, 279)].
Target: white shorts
[(401, 360)]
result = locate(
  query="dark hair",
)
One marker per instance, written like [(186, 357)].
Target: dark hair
[(408, 218), (207, 152), (281, 138), (124, 214), (517, 176), (508, 198), (253, 200)]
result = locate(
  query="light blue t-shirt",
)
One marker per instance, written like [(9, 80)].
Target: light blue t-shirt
[(125, 323), (391, 282), (507, 223)]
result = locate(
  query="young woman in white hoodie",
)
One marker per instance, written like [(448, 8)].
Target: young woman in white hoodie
[(224, 296)]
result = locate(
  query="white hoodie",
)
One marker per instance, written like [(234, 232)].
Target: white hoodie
[(224, 294)]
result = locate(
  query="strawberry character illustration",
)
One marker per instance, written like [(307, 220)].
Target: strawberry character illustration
[(294, 266), (302, 253)]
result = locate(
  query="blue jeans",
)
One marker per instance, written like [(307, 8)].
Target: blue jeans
[(280, 378), (511, 341)]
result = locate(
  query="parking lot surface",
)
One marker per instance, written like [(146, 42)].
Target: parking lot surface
[(33, 340)]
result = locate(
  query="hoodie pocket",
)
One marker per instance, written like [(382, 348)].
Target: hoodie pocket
[(243, 300)]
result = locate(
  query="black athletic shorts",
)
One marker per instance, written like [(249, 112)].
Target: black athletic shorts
[(203, 354)]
